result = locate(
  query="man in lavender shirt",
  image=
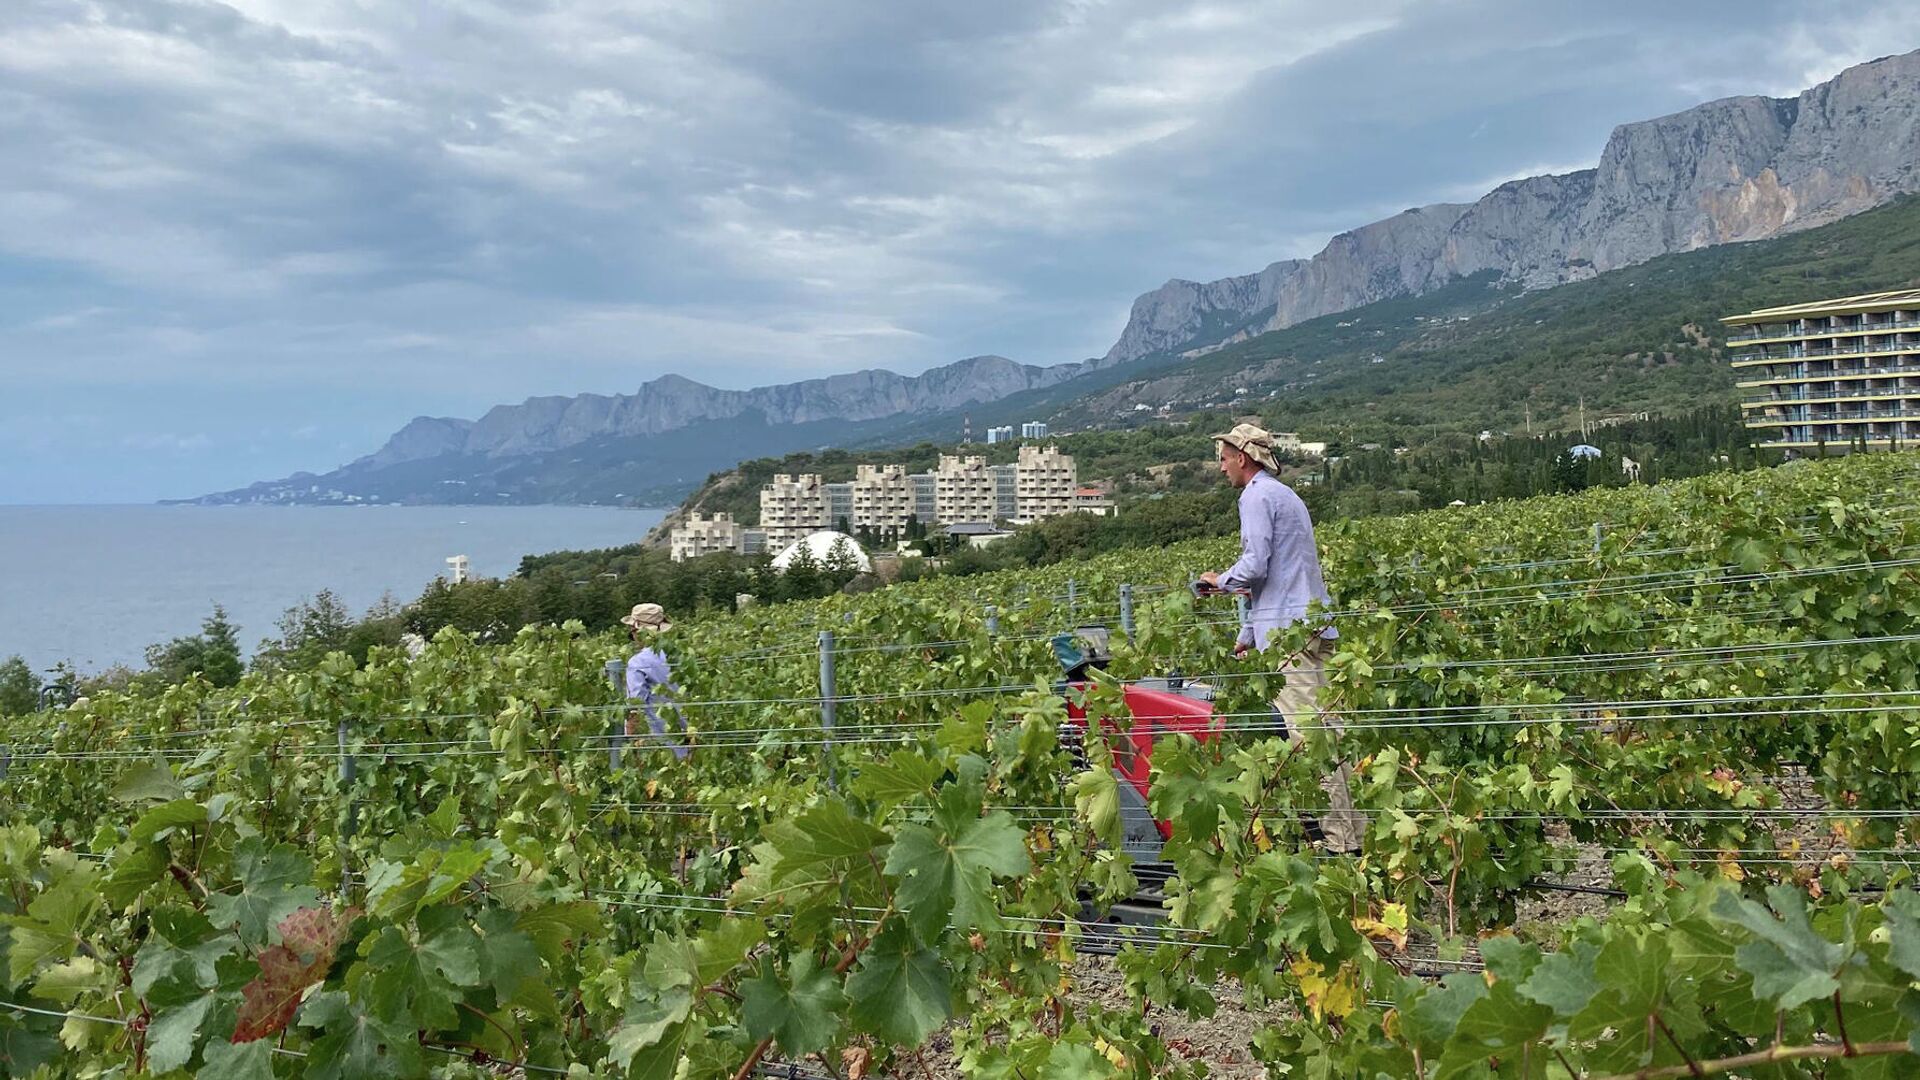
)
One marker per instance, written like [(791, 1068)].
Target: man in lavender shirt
[(647, 671), (1279, 566)]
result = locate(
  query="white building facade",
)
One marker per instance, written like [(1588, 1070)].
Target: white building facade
[(703, 534)]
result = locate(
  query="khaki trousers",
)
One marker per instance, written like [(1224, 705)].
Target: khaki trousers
[(1298, 702)]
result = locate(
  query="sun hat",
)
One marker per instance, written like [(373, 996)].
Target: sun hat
[(1253, 441), (648, 617)]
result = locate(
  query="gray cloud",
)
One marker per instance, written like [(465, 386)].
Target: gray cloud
[(222, 224)]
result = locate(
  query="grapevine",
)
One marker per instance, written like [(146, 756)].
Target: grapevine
[(458, 864)]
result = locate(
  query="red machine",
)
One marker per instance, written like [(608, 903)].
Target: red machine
[(1156, 708)]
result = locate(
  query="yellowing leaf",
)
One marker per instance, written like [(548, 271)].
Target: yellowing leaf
[(1111, 1053), (1391, 926), (1336, 996), (1730, 867), (1260, 838)]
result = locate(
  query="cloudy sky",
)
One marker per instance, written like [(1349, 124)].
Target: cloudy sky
[(243, 238)]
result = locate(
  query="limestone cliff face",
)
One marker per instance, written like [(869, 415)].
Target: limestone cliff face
[(1740, 169), (673, 401)]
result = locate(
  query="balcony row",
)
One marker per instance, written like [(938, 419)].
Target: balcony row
[(1895, 412), (1802, 393), (1828, 331), (1797, 352)]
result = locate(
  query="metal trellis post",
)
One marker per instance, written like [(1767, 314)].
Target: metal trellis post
[(827, 694), (1073, 603), (993, 621), (348, 771), (1126, 611)]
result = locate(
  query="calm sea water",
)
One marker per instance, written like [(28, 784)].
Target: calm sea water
[(98, 584)]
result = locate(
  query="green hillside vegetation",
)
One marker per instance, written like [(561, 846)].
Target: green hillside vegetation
[(1473, 356)]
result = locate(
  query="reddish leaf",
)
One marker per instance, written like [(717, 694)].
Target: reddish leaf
[(308, 940)]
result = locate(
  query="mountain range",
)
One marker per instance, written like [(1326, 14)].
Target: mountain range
[(1738, 169)]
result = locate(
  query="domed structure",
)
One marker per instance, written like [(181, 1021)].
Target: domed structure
[(821, 546)]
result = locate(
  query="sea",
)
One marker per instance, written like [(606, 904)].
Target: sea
[(96, 585)]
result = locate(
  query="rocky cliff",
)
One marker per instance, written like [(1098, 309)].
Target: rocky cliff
[(1743, 168), (672, 402)]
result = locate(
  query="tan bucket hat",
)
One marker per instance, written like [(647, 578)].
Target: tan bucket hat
[(1254, 441), (648, 617)]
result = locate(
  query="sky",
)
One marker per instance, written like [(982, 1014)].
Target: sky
[(246, 238)]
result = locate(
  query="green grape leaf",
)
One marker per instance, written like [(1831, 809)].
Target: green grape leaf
[(1494, 1026), (803, 1015), (650, 1021), (1902, 910), (904, 776), (508, 956), (25, 1045), (1790, 962), (553, 925), (166, 817), (824, 834), (1096, 798), (182, 947), (272, 887), (946, 870), (1564, 981), (66, 981), (52, 926), (422, 980), (355, 1044), (899, 991), (1076, 1061), (148, 781), (133, 872), (1637, 983), (174, 1033), (698, 961), (244, 1061), (1432, 1017)]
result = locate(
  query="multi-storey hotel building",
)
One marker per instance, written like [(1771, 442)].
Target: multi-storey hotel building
[(1834, 373)]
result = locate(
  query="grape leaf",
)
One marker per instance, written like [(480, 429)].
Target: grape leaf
[(1903, 931), (650, 1020), (246, 1061), (825, 833), (946, 870), (166, 817), (1494, 1026), (181, 947), (1790, 962), (1634, 988), (25, 1044), (508, 957), (272, 886), (1432, 1017), (899, 991), (422, 979), (1563, 981), (1075, 1061), (309, 938), (174, 1033), (1096, 798), (52, 926), (802, 1013), (355, 1044), (149, 781), (905, 775), (552, 926)]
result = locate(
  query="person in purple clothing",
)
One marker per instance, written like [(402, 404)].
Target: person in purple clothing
[(1279, 566), (648, 677)]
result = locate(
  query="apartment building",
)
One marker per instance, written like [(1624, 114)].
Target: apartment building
[(791, 507), (702, 534), (963, 490), (1831, 373), (1033, 429), (1045, 483), (999, 434), (882, 498)]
